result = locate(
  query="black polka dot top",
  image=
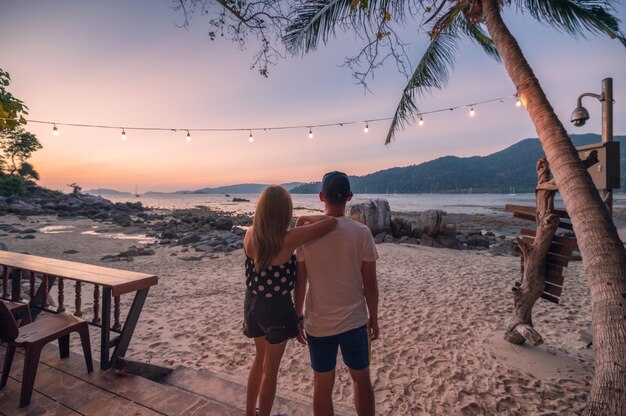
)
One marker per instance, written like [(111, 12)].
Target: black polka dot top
[(273, 281)]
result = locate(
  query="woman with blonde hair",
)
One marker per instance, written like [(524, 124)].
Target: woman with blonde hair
[(269, 314)]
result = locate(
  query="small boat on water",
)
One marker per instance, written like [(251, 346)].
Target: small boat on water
[(136, 193)]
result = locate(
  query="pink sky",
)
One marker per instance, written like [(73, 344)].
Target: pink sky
[(127, 64)]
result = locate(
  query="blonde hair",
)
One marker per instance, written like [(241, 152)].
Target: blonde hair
[(272, 220)]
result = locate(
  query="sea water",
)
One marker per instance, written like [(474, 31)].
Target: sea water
[(307, 203)]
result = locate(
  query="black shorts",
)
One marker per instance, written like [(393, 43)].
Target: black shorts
[(274, 318)]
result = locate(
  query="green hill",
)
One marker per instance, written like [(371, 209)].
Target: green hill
[(513, 167)]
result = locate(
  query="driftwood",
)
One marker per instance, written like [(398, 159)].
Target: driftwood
[(533, 261)]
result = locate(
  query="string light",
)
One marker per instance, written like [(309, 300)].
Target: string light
[(519, 101)]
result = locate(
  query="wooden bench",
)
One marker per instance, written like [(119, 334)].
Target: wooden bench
[(114, 284), (559, 253)]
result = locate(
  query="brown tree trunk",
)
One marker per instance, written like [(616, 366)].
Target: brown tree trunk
[(604, 257), (534, 257)]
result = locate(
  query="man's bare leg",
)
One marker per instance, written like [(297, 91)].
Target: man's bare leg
[(323, 393), (363, 392)]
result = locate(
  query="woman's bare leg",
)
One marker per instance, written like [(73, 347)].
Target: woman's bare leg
[(271, 364), (255, 376)]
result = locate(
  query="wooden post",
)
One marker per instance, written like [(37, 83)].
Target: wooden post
[(5, 282), (534, 257), (78, 300), (32, 286), (96, 304), (61, 299), (44, 285), (16, 285), (116, 314)]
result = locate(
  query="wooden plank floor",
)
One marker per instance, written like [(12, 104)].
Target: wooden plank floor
[(213, 386), (63, 387)]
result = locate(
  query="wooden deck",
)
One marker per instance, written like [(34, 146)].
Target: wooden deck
[(63, 387)]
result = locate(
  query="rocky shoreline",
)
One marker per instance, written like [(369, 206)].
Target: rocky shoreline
[(203, 232)]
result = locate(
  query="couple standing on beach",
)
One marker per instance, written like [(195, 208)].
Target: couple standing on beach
[(337, 257)]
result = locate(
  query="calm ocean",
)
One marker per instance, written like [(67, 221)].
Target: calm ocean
[(452, 203)]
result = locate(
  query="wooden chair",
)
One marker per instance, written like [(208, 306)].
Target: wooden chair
[(21, 310), (33, 337)]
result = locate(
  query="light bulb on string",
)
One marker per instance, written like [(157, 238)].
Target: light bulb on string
[(520, 100)]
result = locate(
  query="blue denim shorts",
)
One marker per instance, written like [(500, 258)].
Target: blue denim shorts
[(354, 346)]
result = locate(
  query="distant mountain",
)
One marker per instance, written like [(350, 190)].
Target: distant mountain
[(103, 191), (513, 167), (290, 185), (243, 188)]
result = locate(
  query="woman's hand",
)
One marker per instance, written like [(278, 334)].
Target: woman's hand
[(302, 220), (310, 219)]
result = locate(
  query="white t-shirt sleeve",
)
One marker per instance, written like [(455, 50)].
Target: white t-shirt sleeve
[(369, 248)]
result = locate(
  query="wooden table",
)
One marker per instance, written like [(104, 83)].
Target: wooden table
[(114, 283)]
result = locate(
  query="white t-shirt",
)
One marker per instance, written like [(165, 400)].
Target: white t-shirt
[(335, 301)]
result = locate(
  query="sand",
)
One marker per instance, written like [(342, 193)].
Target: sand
[(442, 317)]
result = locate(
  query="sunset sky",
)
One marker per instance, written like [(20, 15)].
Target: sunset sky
[(126, 63)]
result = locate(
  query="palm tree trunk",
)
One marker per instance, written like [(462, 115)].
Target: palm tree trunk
[(604, 257)]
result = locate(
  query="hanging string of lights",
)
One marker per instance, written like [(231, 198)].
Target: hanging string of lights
[(420, 115)]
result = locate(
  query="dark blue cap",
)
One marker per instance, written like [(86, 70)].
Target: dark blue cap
[(336, 185)]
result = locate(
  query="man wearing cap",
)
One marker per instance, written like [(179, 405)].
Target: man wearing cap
[(341, 301)]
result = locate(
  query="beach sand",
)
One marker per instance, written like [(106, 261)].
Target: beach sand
[(442, 317)]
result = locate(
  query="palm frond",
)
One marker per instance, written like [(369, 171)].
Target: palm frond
[(431, 72), (456, 19), (315, 21), (576, 16), (476, 33), (449, 21)]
